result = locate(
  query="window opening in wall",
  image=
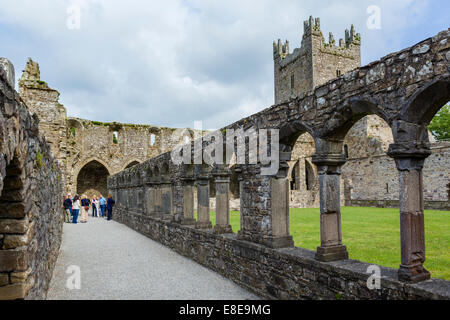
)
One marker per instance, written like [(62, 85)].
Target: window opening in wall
[(309, 176), (115, 137), (338, 73), (346, 151), (152, 140), (448, 191)]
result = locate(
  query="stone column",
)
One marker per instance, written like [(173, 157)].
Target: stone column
[(265, 206), (157, 206), (222, 181), (166, 200), (188, 201), (150, 200), (329, 171), (410, 162), (279, 195), (204, 221)]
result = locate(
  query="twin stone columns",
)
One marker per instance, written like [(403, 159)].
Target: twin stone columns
[(221, 177), (160, 201)]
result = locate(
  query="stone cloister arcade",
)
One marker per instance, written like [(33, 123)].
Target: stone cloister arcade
[(405, 89)]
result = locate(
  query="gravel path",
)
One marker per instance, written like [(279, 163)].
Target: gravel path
[(117, 263)]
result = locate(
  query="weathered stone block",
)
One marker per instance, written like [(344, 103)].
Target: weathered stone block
[(10, 226), (11, 260)]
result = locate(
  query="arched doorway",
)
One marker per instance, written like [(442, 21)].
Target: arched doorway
[(92, 179)]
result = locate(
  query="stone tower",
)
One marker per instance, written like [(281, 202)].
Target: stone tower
[(315, 62)]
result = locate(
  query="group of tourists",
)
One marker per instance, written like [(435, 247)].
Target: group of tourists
[(77, 207)]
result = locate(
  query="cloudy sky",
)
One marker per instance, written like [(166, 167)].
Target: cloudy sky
[(173, 62)]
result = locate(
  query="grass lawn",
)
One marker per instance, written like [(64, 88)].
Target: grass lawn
[(373, 235)]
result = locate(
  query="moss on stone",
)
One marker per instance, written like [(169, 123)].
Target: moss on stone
[(39, 157)]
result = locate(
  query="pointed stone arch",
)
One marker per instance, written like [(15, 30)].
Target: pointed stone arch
[(92, 179)]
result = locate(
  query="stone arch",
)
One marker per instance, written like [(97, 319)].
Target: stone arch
[(364, 143), (131, 164), (422, 106), (290, 132), (352, 111), (73, 125), (92, 179)]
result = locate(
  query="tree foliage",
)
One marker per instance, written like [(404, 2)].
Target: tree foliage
[(440, 125)]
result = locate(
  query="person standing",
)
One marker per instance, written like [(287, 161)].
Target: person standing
[(102, 202), (94, 206), (76, 209), (109, 206), (97, 207), (84, 209), (67, 208)]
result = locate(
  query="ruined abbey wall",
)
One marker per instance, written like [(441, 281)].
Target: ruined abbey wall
[(31, 191), (90, 151)]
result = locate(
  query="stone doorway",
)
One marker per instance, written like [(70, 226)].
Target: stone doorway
[(92, 180)]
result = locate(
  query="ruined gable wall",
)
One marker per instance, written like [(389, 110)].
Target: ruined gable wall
[(90, 140)]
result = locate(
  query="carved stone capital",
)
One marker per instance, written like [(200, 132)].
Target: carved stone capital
[(329, 163), (203, 180), (410, 155), (222, 174), (187, 181)]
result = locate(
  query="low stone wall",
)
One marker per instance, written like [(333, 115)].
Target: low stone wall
[(30, 199), (429, 205), (290, 273)]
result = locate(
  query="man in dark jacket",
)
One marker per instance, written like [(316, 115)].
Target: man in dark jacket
[(109, 206), (67, 208)]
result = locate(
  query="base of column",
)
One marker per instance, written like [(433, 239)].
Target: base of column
[(279, 242), (203, 225), (223, 229), (413, 274), (188, 222), (328, 254)]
